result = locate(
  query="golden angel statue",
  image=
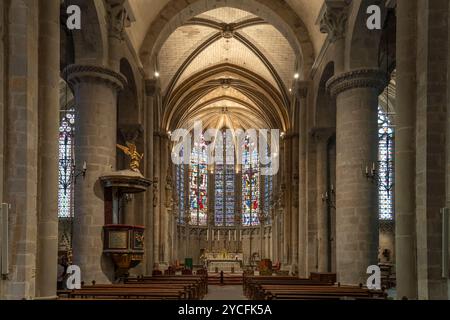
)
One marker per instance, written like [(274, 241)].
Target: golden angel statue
[(135, 157)]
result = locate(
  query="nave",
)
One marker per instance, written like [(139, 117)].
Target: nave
[(285, 143)]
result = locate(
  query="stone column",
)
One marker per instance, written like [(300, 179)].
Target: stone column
[(356, 95), (3, 50), (118, 20), (323, 191), (431, 125), (294, 197), (49, 47), (274, 237), (157, 198), (150, 92), (405, 107), (21, 158), (95, 90), (302, 93), (168, 203)]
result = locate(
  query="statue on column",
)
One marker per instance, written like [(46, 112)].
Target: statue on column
[(135, 157), (169, 191), (155, 191)]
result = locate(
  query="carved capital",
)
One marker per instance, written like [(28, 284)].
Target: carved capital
[(361, 78), (118, 18), (76, 74), (333, 19), (131, 133)]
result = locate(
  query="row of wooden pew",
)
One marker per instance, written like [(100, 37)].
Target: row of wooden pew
[(149, 288), (291, 288)]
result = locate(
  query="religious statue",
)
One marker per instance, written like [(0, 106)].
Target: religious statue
[(135, 157)]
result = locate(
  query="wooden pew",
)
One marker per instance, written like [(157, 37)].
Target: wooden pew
[(269, 288), (200, 283), (153, 288)]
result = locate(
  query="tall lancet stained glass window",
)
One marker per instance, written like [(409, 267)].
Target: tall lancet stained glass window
[(66, 161), (250, 183), (224, 179), (386, 165), (198, 183)]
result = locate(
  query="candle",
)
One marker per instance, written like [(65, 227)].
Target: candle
[(207, 234), (229, 235), (218, 235), (84, 166), (373, 167), (235, 235), (367, 170)]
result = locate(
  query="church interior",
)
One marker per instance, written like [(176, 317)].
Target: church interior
[(225, 149)]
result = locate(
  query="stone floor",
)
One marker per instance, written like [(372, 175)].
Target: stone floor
[(225, 293)]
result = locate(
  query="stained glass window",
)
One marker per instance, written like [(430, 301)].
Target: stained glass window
[(386, 165), (198, 184), (224, 180), (250, 183), (66, 161)]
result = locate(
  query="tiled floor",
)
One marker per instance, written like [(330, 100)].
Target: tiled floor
[(225, 293)]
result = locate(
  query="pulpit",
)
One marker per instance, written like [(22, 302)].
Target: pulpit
[(123, 243)]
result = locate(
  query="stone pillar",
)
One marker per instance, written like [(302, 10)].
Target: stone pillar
[(150, 92), (311, 201), (431, 77), (118, 20), (49, 47), (2, 102), (321, 136), (95, 90), (333, 21), (405, 220), (302, 93), (294, 197), (356, 95), (274, 237), (168, 203), (158, 201), (21, 118)]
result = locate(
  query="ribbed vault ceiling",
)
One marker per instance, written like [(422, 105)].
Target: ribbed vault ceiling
[(226, 67)]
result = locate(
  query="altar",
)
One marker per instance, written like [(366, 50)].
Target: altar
[(223, 261)]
